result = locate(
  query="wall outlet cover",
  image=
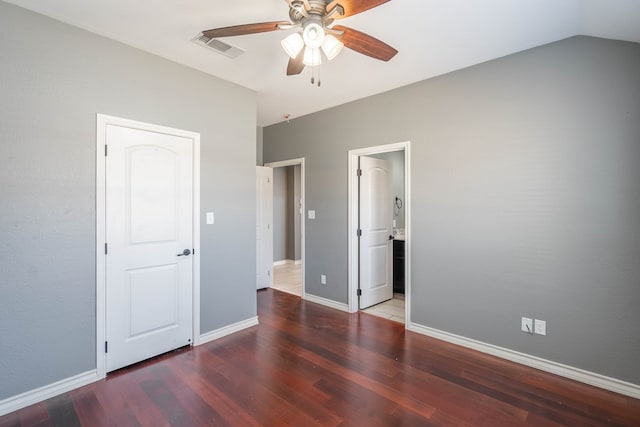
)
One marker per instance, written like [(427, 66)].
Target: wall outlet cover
[(323, 279), (540, 327)]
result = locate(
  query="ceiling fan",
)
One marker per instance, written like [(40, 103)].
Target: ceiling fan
[(314, 19)]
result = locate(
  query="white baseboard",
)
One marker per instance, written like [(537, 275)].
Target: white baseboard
[(591, 378), (31, 397), (298, 262), (46, 392), (227, 330), (326, 302)]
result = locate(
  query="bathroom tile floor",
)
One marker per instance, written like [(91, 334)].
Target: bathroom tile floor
[(288, 278), (392, 309)]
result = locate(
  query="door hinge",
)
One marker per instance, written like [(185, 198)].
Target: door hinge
[(106, 251), (359, 172), (106, 347), (359, 292), (269, 273), (105, 150), (359, 232)]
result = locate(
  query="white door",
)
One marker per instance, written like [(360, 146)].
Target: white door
[(264, 228), (376, 225), (149, 235)]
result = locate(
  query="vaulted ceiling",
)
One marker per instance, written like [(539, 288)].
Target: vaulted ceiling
[(433, 37)]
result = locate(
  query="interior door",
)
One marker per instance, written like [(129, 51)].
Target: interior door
[(264, 228), (376, 225), (149, 235)]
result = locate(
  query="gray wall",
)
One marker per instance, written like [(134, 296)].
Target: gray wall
[(259, 142), (54, 79), (525, 198), (286, 220), (397, 162)]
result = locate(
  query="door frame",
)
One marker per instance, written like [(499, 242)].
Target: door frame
[(102, 120), (353, 256), (303, 234)]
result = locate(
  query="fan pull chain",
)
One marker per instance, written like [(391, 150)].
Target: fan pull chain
[(313, 79)]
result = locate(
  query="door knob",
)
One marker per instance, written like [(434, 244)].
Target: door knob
[(186, 252)]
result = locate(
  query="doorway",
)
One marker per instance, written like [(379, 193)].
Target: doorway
[(147, 264), (381, 247), (288, 226)]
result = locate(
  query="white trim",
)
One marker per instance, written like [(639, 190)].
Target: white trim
[(577, 374), (303, 235), (227, 330), (353, 223), (282, 262), (102, 121), (326, 302), (39, 394)]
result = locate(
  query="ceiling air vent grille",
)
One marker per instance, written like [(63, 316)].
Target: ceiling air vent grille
[(217, 46)]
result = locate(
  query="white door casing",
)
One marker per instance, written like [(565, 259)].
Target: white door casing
[(264, 228), (147, 290), (376, 225)]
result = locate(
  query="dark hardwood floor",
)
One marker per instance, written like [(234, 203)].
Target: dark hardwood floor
[(308, 365)]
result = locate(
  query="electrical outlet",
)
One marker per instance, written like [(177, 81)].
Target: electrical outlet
[(323, 279), (312, 214), (540, 327), (527, 325)]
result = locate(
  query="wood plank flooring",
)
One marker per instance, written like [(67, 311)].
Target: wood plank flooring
[(308, 365)]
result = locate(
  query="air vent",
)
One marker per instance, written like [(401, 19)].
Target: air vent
[(217, 46)]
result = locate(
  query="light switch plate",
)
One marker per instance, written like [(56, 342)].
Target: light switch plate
[(210, 218), (312, 214), (527, 325)]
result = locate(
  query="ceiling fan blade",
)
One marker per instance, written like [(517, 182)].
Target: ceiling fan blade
[(239, 30), (352, 7), (365, 44), (296, 65)]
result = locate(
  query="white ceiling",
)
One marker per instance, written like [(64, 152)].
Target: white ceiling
[(432, 36)]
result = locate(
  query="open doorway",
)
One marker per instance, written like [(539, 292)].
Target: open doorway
[(379, 231), (288, 226)]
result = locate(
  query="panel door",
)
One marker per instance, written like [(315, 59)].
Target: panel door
[(264, 227), (376, 224), (149, 233)]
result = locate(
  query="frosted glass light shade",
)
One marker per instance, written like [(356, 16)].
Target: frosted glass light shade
[(293, 44), (331, 46), (313, 35), (312, 57)]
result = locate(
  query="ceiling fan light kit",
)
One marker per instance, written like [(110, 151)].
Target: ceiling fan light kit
[(313, 33), (313, 21), (331, 46), (312, 57), (292, 44)]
